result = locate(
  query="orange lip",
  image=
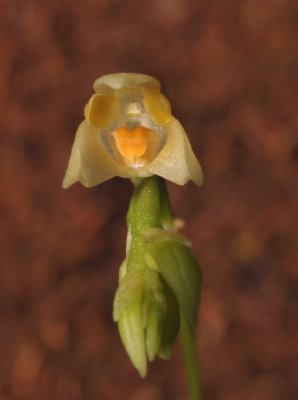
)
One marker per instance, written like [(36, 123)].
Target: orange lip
[(134, 146)]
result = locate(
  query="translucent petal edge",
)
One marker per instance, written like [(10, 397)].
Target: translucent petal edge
[(176, 162), (125, 79), (89, 162)]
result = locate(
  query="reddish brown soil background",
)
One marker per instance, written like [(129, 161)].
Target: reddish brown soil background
[(229, 70)]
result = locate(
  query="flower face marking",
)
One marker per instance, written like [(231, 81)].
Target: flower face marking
[(158, 107), (129, 131), (101, 110)]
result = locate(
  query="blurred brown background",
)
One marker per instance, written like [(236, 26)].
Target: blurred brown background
[(229, 69)]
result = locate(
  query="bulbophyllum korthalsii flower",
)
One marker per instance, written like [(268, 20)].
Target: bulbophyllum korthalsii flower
[(129, 131)]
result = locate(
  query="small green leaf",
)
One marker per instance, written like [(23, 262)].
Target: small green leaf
[(181, 271)]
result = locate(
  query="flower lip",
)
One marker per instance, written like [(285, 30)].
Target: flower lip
[(134, 147)]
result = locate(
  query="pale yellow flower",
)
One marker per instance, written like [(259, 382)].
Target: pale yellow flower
[(129, 131)]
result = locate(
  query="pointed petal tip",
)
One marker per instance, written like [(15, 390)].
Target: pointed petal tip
[(66, 183), (199, 178), (142, 371), (165, 353)]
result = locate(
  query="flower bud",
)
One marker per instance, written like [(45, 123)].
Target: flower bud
[(154, 325), (128, 313), (147, 314)]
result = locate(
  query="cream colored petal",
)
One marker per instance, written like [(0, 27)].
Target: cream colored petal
[(176, 162), (89, 162), (125, 80)]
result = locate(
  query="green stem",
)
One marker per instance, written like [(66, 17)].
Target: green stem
[(150, 208), (187, 333), (188, 344)]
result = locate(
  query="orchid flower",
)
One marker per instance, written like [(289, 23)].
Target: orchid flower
[(129, 131)]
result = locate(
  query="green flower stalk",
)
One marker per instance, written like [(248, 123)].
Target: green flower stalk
[(159, 279), (129, 131)]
